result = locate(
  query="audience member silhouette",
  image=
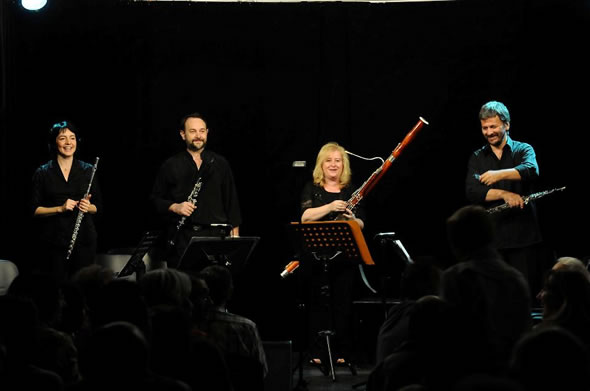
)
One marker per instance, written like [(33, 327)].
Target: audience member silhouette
[(166, 286), (116, 357), (176, 351), (91, 280), (435, 355), (74, 313), (8, 272), (566, 263), (19, 326), (121, 300), (566, 302), (491, 294), (549, 359), (56, 350), (235, 335), (418, 279), (486, 382), (201, 300)]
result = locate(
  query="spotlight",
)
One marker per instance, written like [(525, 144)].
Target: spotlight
[(33, 5)]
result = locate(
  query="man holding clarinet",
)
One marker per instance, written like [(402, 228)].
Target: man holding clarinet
[(194, 191)]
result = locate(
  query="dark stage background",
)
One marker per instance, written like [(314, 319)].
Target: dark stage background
[(277, 81)]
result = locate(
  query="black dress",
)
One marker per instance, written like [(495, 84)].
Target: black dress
[(330, 288), (54, 233)]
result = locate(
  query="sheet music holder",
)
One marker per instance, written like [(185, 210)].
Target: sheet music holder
[(229, 251), (135, 263), (327, 238)]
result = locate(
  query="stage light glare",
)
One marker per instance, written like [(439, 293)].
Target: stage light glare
[(33, 5)]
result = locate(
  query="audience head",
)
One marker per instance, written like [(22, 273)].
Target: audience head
[(566, 295), (45, 293), (166, 286), (567, 263), (121, 300), (19, 326), (220, 283), (573, 264), (420, 278), (116, 351), (469, 230), (91, 279), (551, 358), (200, 298)]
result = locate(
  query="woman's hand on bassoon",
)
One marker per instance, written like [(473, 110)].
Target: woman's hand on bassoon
[(338, 206)]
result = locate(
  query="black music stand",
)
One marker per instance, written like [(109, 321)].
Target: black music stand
[(323, 241), (135, 263), (232, 252)]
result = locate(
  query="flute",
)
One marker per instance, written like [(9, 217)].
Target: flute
[(80, 213), (192, 198)]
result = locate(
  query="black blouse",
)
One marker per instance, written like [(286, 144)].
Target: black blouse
[(314, 196), (51, 189)]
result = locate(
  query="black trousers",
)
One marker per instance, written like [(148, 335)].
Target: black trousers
[(533, 262)]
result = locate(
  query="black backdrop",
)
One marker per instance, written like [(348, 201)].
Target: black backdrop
[(277, 81)]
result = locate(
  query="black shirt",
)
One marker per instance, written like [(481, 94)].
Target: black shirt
[(217, 201), (515, 227), (50, 189)]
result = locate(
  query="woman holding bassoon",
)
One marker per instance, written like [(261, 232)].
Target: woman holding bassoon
[(63, 191), (331, 291)]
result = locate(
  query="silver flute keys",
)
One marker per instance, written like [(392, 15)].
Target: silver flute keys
[(80, 213), (526, 199)]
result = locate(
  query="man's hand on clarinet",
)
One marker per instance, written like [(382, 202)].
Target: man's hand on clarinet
[(513, 199), (185, 208)]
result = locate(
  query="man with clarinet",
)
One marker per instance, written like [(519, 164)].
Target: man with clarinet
[(194, 191), (63, 191), (503, 172)]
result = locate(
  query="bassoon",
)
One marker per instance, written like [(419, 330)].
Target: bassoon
[(370, 183), (80, 213)]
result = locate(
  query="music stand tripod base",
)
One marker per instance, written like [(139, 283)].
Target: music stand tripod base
[(324, 240)]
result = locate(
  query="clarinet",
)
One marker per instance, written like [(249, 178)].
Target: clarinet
[(192, 198), (526, 200), (80, 213)]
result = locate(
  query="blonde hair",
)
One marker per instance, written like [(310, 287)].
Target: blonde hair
[(318, 172)]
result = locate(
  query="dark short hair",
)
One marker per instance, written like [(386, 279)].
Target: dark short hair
[(58, 128), (220, 282), (191, 115)]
